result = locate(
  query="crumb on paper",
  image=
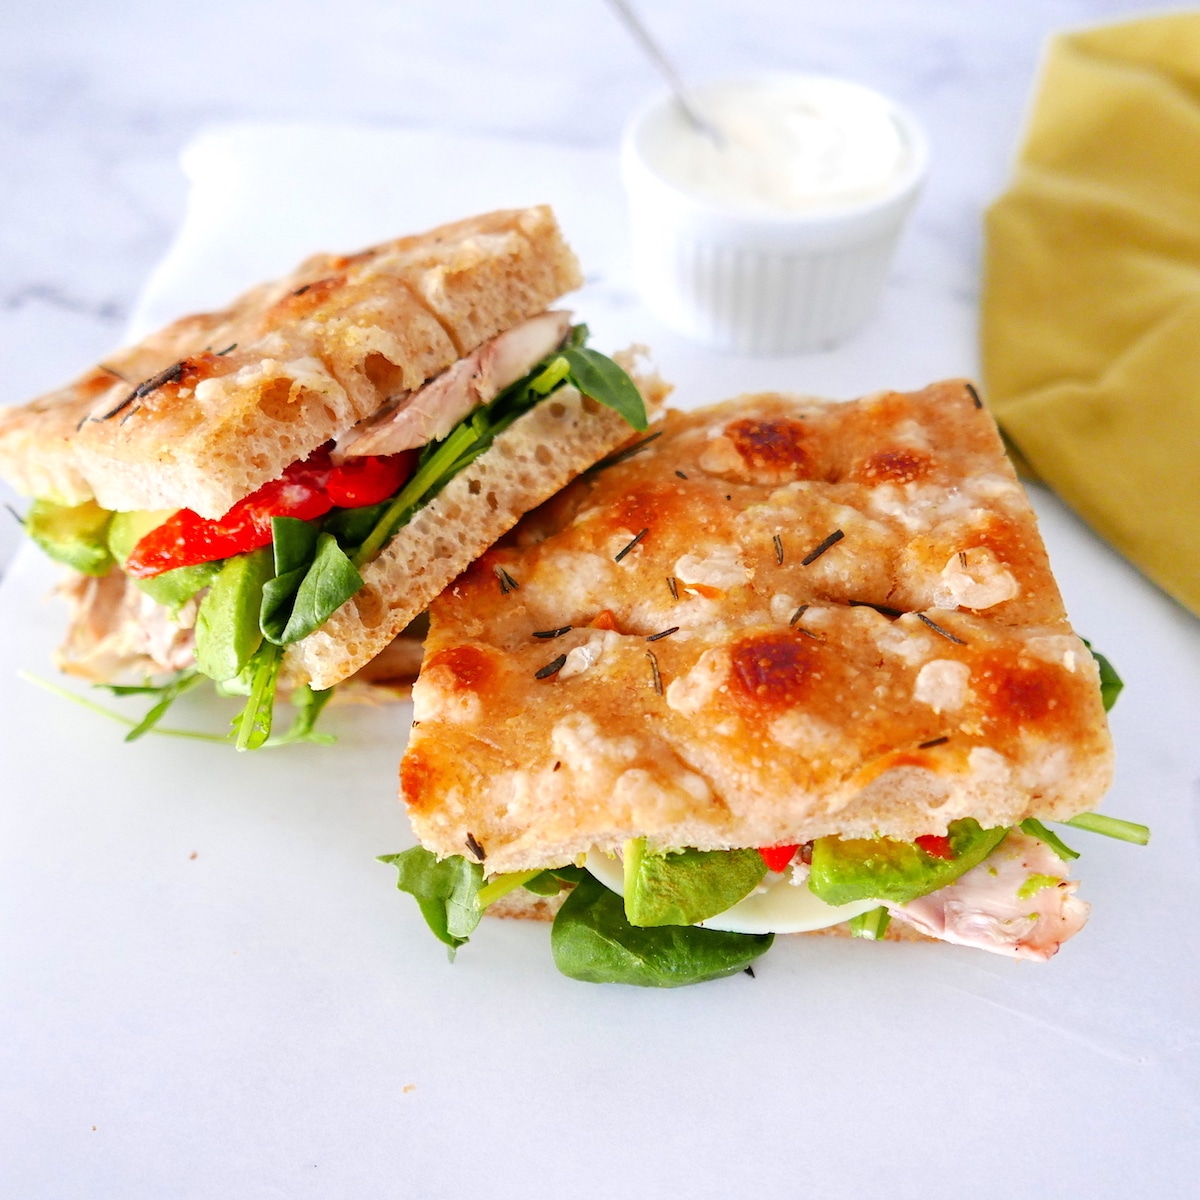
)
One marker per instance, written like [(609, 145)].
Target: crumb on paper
[(408, 1087), (194, 855)]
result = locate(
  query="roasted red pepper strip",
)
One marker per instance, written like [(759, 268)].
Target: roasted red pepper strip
[(370, 479), (778, 857), (307, 490), (935, 846)]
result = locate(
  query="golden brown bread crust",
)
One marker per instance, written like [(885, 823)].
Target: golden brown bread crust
[(542, 451), (785, 706), (244, 392)]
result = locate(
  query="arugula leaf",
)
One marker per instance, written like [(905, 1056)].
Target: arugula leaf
[(1111, 684), (184, 681), (253, 724), (500, 885), (849, 869), (872, 925), (1113, 827), (591, 940), (447, 892), (596, 375), (308, 705), (100, 710), (686, 886), (1034, 827)]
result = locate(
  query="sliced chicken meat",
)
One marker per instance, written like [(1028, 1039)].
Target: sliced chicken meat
[(118, 634), (430, 412), (1018, 902)]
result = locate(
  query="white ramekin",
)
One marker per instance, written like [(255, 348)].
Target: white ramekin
[(762, 284)]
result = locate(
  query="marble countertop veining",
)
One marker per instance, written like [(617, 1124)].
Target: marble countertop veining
[(96, 101)]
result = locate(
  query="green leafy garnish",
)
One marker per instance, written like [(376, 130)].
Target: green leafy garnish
[(1034, 827), (848, 869), (501, 885), (872, 925), (597, 376), (313, 579), (252, 726), (544, 883), (1113, 827), (593, 941), (100, 710), (167, 694), (308, 705), (1111, 683), (686, 886), (447, 892)]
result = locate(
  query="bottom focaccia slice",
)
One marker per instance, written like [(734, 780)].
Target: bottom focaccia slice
[(785, 618)]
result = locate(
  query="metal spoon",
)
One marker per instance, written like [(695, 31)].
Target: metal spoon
[(684, 98)]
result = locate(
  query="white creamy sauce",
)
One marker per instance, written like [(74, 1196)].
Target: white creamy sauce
[(788, 146)]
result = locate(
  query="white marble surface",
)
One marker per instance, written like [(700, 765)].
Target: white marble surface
[(97, 100)]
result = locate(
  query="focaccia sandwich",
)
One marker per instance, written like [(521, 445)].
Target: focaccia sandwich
[(796, 664), (272, 493)]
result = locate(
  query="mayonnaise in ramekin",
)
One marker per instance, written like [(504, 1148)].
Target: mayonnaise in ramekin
[(777, 235)]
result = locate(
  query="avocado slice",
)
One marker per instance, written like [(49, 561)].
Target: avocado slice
[(849, 869), (73, 534), (686, 886), (227, 628), (172, 589)]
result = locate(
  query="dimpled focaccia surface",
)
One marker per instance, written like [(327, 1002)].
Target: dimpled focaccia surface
[(240, 394), (785, 706)]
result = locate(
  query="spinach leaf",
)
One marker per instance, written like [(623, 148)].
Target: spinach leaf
[(227, 628), (447, 892), (592, 941), (849, 869), (598, 376), (545, 884), (686, 886), (1111, 684), (313, 578), (352, 525), (253, 724)]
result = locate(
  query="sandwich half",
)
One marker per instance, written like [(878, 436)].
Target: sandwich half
[(793, 665), (272, 494)]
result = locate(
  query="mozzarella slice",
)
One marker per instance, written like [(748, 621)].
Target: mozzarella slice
[(776, 906)]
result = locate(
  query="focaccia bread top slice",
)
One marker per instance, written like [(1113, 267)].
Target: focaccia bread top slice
[(210, 408), (784, 618)]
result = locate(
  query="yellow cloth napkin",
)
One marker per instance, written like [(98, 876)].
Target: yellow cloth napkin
[(1091, 302)]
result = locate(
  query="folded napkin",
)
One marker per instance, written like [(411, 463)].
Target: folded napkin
[(1091, 303)]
